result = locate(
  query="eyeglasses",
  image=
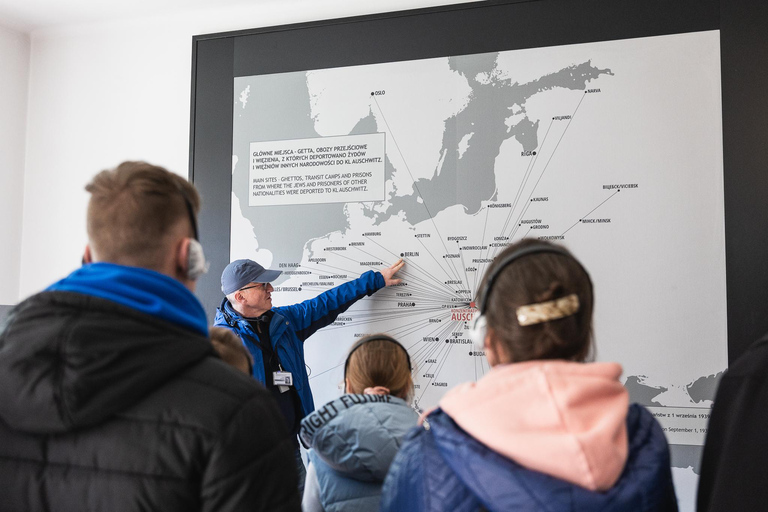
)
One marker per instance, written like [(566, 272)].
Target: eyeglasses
[(258, 285)]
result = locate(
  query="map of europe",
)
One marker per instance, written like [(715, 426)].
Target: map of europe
[(608, 148)]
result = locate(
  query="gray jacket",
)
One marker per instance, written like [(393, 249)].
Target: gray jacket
[(352, 442)]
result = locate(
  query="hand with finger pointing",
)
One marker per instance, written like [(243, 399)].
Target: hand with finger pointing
[(390, 272)]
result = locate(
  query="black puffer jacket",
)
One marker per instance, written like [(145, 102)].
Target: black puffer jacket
[(106, 408), (733, 472)]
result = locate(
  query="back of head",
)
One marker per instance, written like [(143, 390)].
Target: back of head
[(230, 349), (134, 212), (537, 278), (377, 360)]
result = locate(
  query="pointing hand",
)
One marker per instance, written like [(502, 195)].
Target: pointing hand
[(389, 273)]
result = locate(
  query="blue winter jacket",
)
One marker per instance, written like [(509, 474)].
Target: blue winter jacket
[(292, 325), (353, 441), (441, 467)]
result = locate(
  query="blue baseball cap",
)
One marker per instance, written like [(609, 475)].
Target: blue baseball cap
[(241, 272)]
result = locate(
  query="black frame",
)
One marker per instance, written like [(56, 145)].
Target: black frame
[(497, 26)]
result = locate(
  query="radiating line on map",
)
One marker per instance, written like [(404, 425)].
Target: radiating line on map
[(408, 275), (546, 166), (407, 168), (593, 209)]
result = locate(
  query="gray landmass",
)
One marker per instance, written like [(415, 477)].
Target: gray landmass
[(704, 388), (685, 456), (492, 101), (370, 209), (641, 393), (682, 456), (469, 66), (278, 109), (368, 124)]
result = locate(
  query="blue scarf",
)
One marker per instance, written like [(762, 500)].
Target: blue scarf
[(141, 289)]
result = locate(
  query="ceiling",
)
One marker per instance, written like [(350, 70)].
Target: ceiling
[(30, 15)]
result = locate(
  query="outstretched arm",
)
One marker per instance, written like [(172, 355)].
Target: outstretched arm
[(313, 314)]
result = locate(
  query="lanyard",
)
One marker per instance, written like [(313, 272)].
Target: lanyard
[(265, 352)]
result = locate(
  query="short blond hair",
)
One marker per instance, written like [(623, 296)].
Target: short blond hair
[(132, 211)]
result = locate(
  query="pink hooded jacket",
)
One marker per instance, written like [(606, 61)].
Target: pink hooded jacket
[(565, 419)]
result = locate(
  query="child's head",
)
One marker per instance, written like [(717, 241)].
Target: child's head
[(538, 304), (230, 349), (378, 360)]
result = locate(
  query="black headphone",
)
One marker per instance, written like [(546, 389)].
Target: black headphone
[(196, 263), (480, 325), (368, 339)]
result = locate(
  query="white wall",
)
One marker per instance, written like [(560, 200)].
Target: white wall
[(106, 92), (14, 63)]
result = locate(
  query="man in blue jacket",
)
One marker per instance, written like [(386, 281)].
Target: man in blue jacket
[(275, 336)]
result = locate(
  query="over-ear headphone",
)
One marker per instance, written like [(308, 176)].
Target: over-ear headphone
[(368, 339), (479, 329), (196, 263)]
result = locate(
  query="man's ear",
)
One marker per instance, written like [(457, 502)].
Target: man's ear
[(87, 256), (181, 257), (238, 297)]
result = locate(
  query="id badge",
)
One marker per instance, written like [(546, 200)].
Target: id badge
[(282, 380)]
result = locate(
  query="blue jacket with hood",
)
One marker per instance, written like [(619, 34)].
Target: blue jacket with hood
[(441, 467), (352, 442), (292, 325)]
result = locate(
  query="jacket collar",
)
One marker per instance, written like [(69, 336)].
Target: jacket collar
[(140, 289), (226, 315), (358, 435)]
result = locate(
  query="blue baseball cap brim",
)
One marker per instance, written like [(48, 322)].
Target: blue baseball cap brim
[(240, 273)]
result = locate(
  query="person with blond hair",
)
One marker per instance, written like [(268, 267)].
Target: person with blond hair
[(545, 429), (111, 395), (353, 439)]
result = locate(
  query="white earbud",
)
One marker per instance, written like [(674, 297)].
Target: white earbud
[(196, 264)]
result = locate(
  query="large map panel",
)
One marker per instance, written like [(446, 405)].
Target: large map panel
[(613, 149)]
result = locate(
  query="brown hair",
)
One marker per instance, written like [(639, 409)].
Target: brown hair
[(531, 279), (132, 210), (230, 349), (380, 362)]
